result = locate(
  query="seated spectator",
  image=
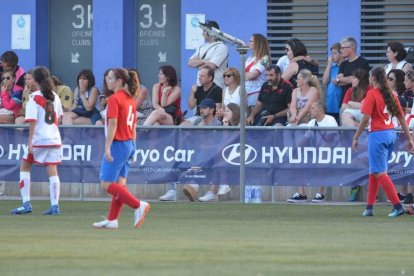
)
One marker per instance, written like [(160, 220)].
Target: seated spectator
[(64, 92), (319, 119), (207, 110), (207, 89), (231, 92), (10, 101), (273, 102), (307, 92), (142, 101), (396, 55), (29, 86), (103, 97), (395, 79), (166, 99), (9, 61), (352, 102), (231, 115), (85, 109), (409, 90), (299, 59)]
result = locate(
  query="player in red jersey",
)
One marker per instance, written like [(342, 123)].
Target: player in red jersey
[(379, 106), (120, 130)]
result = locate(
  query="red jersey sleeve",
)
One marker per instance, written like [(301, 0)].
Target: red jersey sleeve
[(112, 107), (368, 105), (347, 96)]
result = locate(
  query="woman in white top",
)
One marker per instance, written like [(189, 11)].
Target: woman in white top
[(231, 92), (255, 68), (396, 55)]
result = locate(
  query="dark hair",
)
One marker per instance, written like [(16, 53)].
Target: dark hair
[(105, 90), (336, 46), (124, 75), (11, 72), (170, 74), (378, 73), (210, 72), (212, 24), (399, 80), (11, 58), (56, 81), (359, 92), (275, 68), (235, 109), (297, 47), (133, 74), (410, 75), (88, 74), (396, 46), (41, 75)]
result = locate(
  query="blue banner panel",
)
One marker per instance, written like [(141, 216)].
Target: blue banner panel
[(274, 157)]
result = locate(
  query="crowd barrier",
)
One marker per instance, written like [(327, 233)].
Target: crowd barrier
[(274, 156)]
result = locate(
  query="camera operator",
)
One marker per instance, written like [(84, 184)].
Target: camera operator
[(273, 102)]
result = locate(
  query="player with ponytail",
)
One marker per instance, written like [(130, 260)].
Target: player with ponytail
[(379, 106)]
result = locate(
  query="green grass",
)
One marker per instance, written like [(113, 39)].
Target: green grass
[(207, 239)]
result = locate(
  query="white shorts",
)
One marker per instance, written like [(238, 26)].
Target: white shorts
[(355, 112), (44, 156)]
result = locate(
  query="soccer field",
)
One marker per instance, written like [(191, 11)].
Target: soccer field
[(207, 239)]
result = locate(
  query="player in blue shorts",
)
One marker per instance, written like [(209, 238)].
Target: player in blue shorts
[(120, 131)]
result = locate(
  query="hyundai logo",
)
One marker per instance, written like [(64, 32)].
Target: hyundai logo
[(231, 154)]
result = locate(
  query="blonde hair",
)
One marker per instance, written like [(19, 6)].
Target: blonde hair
[(312, 81), (236, 75)]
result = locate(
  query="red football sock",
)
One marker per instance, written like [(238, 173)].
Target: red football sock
[(115, 208), (123, 195), (389, 188), (373, 188)]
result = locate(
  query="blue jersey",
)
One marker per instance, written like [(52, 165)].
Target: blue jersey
[(333, 92)]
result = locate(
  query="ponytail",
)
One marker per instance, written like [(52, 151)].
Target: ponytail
[(378, 73), (41, 75)]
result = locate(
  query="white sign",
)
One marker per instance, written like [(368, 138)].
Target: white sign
[(193, 33), (20, 33)]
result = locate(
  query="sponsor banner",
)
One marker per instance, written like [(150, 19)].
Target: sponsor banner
[(279, 157)]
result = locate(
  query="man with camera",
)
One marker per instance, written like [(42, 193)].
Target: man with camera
[(273, 102)]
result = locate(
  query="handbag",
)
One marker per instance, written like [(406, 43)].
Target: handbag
[(171, 109)]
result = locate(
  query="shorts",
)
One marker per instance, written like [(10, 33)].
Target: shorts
[(252, 99), (380, 147), (355, 112), (195, 120), (122, 153), (44, 156)]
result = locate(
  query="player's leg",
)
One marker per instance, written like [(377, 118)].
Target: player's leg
[(24, 185)]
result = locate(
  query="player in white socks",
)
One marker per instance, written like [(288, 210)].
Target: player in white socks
[(43, 112)]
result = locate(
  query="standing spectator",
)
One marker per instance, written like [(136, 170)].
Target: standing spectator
[(85, 109), (44, 146), (142, 101), (396, 55), (207, 89), (9, 61), (379, 106), (274, 99), (333, 92), (10, 100), (166, 99), (29, 86), (350, 64), (321, 139), (213, 54), (283, 63), (119, 149), (64, 92), (307, 92), (351, 105), (299, 59), (255, 68)]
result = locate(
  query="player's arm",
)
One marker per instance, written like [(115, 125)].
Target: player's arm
[(32, 126), (112, 125)]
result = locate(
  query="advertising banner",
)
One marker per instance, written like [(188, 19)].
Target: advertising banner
[(274, 157)]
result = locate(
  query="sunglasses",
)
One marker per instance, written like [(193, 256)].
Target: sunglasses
[(5, 78), (227, 76), (391, 79)]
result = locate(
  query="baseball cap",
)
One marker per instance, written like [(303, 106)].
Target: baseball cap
[(207, 103), (212, 23)]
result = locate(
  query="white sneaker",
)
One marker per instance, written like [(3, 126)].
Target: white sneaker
[(209, 196), (140, 213), (169, 196), (107, 224), (224, 189)]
